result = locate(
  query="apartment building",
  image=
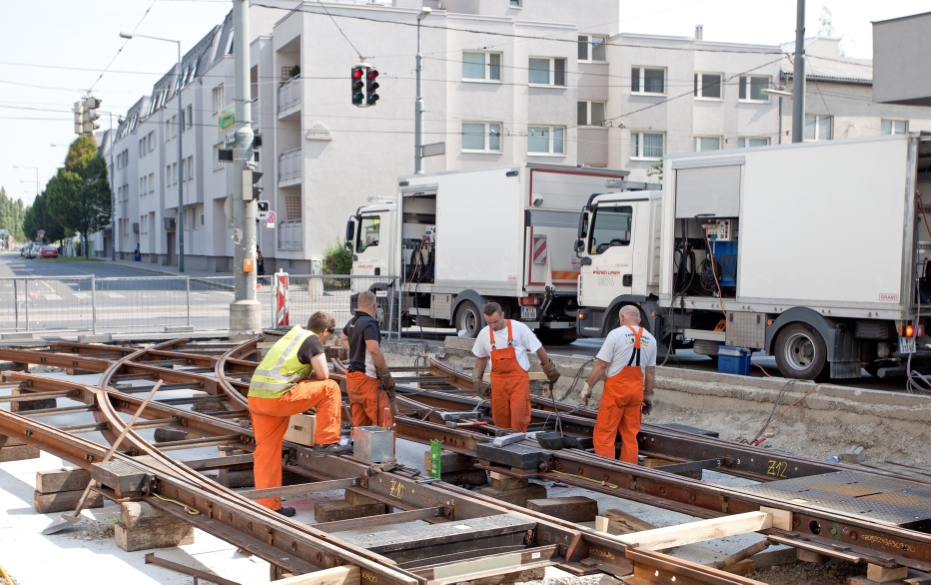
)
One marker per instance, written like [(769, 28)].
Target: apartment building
[(503, 83)]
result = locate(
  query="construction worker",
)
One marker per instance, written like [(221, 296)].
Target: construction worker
[(507, 342), (368, 381), (292, 378), (628, 357)]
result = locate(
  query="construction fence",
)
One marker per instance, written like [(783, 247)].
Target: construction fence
[(167, 304)]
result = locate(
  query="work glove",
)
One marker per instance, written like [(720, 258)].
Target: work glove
[(387, 382), (586, 394), (647, 405), (552, 374), (478, 382)]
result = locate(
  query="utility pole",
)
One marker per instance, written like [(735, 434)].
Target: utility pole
[(798, 76), (245, 313), (112, 193), (418, 101)]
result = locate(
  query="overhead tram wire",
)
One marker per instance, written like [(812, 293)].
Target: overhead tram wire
[(123, 46)]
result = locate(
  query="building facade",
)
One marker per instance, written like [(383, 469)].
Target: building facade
[(504, 82)]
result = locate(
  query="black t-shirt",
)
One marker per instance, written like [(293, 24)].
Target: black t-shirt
[(311, 348), (361, 328)]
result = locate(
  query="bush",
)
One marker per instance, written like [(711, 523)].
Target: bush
[(337, 259)]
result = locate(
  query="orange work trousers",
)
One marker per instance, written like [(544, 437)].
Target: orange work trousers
[(270, 418), (510, 386), (619, 412), (368, 402)]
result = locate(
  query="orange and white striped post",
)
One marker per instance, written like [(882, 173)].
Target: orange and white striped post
[(282, 301)]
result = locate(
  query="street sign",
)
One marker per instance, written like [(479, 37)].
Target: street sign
[(41, 233), (434, 149), (226, 118), (271, 216)]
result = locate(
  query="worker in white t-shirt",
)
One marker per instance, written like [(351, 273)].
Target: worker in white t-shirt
[(628, 361), (507, 342)]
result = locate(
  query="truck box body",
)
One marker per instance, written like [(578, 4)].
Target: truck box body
[(500, 233), (813, 252)]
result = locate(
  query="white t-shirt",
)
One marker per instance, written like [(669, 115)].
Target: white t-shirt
[(524, 341), (619, 345)]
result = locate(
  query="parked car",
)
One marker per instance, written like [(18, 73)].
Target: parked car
[(47, 252)]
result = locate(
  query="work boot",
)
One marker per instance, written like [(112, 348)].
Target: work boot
[(286, 511), (332, 449)]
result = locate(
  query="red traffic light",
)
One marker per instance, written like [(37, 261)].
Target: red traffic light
[(372, 74), (357, 73)]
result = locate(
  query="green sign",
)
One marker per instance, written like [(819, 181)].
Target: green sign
[(226, 118)]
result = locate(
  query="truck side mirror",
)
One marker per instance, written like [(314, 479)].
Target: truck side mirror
[(580, 245), (350, 234)]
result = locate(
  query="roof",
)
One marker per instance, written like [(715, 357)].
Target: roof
[(824, 62)]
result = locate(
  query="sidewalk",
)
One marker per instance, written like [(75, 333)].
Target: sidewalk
[(161, 270)]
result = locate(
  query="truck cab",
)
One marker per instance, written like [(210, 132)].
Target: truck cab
[(618, 246), (369, 240)]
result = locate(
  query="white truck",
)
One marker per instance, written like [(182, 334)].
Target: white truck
[(461, 239), (815, 253)]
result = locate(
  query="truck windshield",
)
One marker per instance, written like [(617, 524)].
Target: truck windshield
[(610, 227), (368, 232)]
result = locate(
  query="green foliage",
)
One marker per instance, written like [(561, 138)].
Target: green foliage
[(337, 259), (295, 71), (38, 218), (79, 194), (656, 170), (11, 216)]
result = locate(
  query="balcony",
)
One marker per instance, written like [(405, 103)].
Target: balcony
[(290, 235), (289, 97), (289, 168)]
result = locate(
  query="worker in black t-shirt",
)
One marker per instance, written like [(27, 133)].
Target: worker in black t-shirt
[(368, 381)]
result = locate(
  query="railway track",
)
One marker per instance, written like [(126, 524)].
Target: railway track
[(216, 375)]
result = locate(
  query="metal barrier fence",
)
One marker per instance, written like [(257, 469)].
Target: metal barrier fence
[(160, 304)]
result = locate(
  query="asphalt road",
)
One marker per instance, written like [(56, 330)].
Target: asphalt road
[(11, 264)]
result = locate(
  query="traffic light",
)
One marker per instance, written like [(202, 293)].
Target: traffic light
[(90, 115), (256, 190), (357, 84), (78, 117), (371, 87)]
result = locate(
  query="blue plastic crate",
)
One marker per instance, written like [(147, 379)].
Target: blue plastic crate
[(734, 360)]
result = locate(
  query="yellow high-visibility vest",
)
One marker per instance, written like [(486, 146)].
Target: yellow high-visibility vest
[(281, 369)]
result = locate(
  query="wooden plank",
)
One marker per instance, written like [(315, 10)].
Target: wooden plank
[(345, 575), (380, 520), (301, 489), (692, 532), (534, 376), (218, 462), (626, 523), (884, 574), (782, 519)]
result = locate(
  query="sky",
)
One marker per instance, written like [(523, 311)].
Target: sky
[(52, 52)]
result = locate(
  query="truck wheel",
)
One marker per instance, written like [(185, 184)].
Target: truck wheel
[(800, 352), (468, 318)]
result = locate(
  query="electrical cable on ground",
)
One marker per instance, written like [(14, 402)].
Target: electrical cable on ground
[(188, 509)]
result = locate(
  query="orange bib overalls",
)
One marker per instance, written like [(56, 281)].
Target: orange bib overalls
[(510, 387), (619, 410)]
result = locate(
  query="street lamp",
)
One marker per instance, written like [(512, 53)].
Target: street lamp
[(180, 154), (37, 175), (418, 101), (781, 93)]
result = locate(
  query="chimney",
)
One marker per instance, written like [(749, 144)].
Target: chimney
[(699, 32)]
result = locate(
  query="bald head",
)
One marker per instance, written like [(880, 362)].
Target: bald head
[(630, 315), (367, 302)]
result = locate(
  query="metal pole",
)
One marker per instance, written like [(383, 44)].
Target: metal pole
[(26, 297), (780, 119), (180, 171), (798, 76), (418, 112), (187, 281), (15, 305), (112, 194), (93, 305), (245, 311)]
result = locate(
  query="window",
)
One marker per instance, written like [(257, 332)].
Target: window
[(219, 100), (752, 142), (515, 3), (142, 147), (547, 71), (143, 185), (819, 127), (546, 140), (217, 163), (187, 118), (480, 137), (591, 114), (647, 80), (151, 140), (646, 146), (368, 232), (610, 227), (592, 48), (894, 127), (151, 183), (751, 88), (708, 86), (481, 66), (189, 168), (706, 143)]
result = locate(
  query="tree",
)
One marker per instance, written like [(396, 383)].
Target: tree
[(79, 194), (38, 217), (656, 170), (11, 215)]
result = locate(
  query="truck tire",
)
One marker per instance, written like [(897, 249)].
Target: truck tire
[(800, 352), (468, 318)]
